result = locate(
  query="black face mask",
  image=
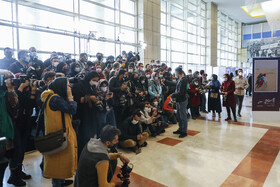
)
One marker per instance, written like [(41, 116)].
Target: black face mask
[(9, 55), (99, 58)]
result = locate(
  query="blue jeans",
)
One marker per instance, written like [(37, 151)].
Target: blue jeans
[(106, 118), (182, 116), (203, 102)]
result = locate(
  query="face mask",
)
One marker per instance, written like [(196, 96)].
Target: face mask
[(146, 109), (190, 74), (55, 64), (155, 103), (160, 76), (196, 84), (148, 76), (93, 83), (156, 78), (240, 73), (149, 110), (33, 54), (176, 77), (143, 82), (141, 69), (77, 70), (130, 70), (27, 59), (99, 58), (98, 70), (225, 79), (104, 89), (9, 55), (134, 122)]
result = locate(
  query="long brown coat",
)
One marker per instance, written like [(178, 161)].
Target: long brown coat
[(60, 165)]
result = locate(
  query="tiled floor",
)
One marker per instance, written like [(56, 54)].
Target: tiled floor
[(216, 153)]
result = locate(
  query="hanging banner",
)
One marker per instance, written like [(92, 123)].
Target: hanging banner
[(266, 84)]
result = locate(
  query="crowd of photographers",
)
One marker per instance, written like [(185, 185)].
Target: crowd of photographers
[(139, 100)]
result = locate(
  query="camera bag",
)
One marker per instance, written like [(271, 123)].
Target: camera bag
[(53, 142)]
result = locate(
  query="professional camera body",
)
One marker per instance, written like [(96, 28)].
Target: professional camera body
[(125, 174)]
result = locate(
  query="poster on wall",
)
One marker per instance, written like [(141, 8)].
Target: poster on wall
[(266, 75), (263, 48), (266, 84)]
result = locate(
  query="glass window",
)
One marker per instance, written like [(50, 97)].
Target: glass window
[(177, 45), (96, 11), (177, 23), (177, 34), (127, 20), (180, 2), (193, 1), (104, 47), (192, 18), (163, 43), (192, 7), (163, 29), (45, 41), (128, 6), (128, 36), (178, 12), (163, 54), (163, 6), (102, 30), (192, 28), (177, 57), (5, 9), (61, 4), (43, 18), (163, 18), (6, 37)]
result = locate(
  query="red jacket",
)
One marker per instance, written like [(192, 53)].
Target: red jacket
[(194, 96), (229, 87), (166, 107)]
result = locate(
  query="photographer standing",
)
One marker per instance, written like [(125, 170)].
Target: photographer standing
[(22, 64), (8, 111), (180, 96), (85, 94), (95, 168)]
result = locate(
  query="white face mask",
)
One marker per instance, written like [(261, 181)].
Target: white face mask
[(155, 103), (148, 76), (104, 89), (160, 76), (55, 64), (240, 73), (93, 83), (156, 78), (141, 69), (130, 70), (98, 70), (77, 70), (134, 122), (143, 82), (196, 84), (146, 109)]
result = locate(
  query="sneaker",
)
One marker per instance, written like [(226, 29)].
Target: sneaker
[(177, 132), (67, 182), (144, 144), (183, 135), (136, 150), (25, 176)]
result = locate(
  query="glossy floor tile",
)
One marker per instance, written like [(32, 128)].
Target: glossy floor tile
[(216, 153)]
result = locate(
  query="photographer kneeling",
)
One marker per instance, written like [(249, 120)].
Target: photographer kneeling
[(94, 162)]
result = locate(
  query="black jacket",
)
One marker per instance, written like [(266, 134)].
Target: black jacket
[(180, 93), (130, 131), (115, 86)]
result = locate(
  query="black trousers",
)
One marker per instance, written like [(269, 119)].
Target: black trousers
[(171, 117), (233, 109), (195, 111), (239, 102)]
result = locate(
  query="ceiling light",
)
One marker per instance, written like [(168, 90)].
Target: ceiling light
[(254, 11)]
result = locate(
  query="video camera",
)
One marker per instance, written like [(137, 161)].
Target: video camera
[(125, 174)]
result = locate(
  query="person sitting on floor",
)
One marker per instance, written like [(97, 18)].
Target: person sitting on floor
[(132, 135)]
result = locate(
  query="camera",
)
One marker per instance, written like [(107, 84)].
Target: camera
[(99, 104), (125, 174)]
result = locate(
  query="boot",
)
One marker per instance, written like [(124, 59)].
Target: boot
[(15, 178), (234, 114), (228, 113)]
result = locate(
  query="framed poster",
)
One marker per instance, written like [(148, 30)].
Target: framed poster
[(266, 84), (266, 75)]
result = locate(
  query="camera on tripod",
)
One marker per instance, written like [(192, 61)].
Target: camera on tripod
[(125, 174)]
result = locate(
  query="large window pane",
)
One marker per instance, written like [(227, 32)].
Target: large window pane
[(6, 37), (45, 41), (104, 47), (127, 6), (177, 34), (102, 30), (96, 11), (6, 11), (33, 16), (177, 45), (128, 36), (127, 20), (177, 23), (178, 12), (177, 57), (61, 4)]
